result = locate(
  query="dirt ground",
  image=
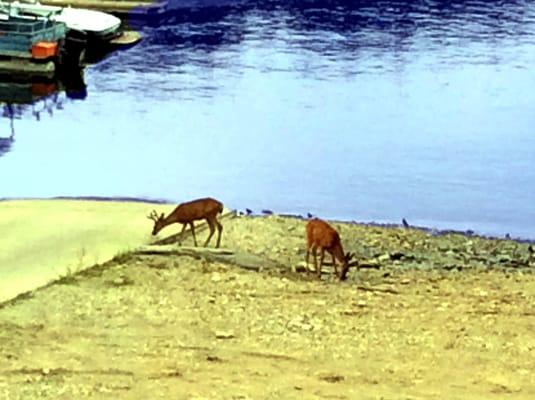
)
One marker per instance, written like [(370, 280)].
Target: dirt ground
[(426, 317)]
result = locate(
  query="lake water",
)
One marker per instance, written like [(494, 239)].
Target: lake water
[(377, 111)]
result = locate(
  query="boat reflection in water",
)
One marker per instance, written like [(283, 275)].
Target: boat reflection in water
[(23, 98)]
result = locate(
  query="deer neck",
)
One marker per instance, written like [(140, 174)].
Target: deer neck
[(170, 219), (338, 253)]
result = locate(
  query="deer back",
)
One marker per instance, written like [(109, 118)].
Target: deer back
[(196, 209), (321, 234)]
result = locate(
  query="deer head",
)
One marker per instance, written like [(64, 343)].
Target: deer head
[(158, 221), (345, 265)]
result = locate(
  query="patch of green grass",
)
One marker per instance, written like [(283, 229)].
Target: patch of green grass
[(68, 278), (122, 258)]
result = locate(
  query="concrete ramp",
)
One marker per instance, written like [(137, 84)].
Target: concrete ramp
[(43, 240)]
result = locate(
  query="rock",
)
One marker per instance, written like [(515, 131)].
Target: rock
[(504, 258), (397, 255), (216, 277), (300, 267), (362, 303), (118, 281), (331, 378), (224, 334), (384, 258), (121, 281), (405, 281), (307, 327)]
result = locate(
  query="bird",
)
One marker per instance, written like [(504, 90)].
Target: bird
[(248, 211), (309, 215), (405, 223)]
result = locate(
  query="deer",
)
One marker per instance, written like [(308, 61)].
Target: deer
[(320, 234), (186, 213)]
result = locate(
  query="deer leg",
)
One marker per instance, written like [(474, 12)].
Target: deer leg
[(335, 266), (193, 233), (314, 257), (322, 256), (219, 231), (212, 230), (182, 233)]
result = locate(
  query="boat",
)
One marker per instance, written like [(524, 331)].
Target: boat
[(98, 32), (36, 47), (97, 25)]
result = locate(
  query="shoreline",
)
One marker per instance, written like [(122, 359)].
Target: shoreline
[(77, 234), (266, 212)]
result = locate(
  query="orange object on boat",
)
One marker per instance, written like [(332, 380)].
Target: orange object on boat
[(42, 50)]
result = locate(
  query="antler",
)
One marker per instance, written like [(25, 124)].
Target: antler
[(153, 216), (351, 263)]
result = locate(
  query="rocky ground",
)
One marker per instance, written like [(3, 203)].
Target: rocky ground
[(426, 317)]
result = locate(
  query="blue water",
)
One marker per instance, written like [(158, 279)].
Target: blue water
[(375, 111)]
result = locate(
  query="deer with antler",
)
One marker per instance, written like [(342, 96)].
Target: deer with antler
[(186, 213), (323, 236)]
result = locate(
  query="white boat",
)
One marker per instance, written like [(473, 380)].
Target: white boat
[(98, 25)]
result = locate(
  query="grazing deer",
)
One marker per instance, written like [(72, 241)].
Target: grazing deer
[(186, 213), (321, 234)]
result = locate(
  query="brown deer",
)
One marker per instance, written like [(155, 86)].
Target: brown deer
[(186, 213), (321, 234)]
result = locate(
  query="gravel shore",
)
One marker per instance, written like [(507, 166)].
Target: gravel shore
[(426, 317)]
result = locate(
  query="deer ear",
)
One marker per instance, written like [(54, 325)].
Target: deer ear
[(161, 216)]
